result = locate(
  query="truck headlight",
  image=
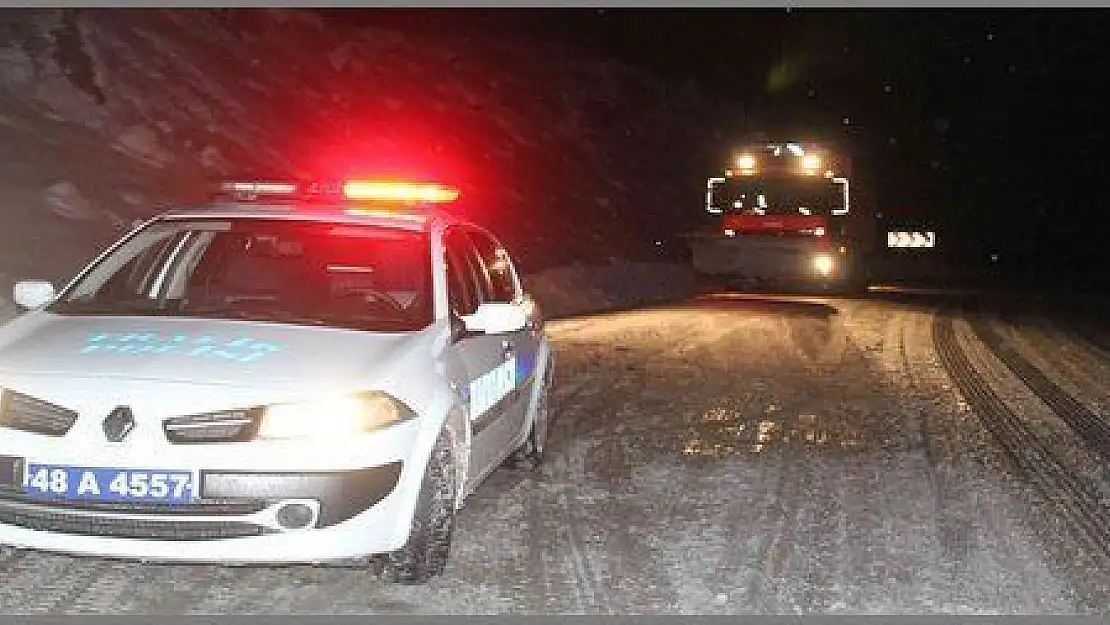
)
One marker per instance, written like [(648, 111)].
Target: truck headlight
[(332, 417), (824, 264)]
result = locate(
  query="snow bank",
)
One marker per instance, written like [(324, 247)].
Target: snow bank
[(585, 289)]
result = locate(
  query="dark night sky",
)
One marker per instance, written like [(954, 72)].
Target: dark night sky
[(990, 120)]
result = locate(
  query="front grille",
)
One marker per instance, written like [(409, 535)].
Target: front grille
[(48, 519), (214, 427), (202, 507), (29, 414)]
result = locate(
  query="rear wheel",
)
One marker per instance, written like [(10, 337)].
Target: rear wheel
[(425, 554)]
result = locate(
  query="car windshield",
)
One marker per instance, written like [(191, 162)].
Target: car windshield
[(344, 276), (790, 196)]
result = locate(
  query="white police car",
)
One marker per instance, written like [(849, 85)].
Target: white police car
[(293, 373)]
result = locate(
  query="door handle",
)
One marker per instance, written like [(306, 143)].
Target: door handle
[(507, 349)]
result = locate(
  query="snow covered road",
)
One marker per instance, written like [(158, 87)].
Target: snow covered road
[(740, 454)]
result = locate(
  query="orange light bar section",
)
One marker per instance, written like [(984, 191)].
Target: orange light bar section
[(398, 191)]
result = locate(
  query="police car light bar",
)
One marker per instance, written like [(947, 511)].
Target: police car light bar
[(388, 191)]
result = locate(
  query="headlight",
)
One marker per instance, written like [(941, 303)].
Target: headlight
[(824, 264), (332, 417)]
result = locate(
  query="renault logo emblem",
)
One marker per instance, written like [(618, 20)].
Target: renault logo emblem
[(118, 424)]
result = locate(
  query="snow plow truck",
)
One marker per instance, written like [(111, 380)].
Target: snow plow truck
[(782, 215)]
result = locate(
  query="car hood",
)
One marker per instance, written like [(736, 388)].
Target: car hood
[(201, 351)]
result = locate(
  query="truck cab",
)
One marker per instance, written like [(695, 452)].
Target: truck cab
[(781, 214)]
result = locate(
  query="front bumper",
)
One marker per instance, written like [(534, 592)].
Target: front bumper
[(350, 506), (766, 258)]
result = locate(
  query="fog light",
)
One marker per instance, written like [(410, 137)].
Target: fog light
[(295, 516), (824, 264)]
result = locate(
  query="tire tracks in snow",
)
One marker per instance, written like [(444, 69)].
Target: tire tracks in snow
[(1067, 362), (587, 385), (954, 531), (1090, 427), (1075, 503), (104, 593), (43, 584), (777, 546)]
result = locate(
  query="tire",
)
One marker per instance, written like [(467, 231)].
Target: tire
[(425, 554), (532, 452)]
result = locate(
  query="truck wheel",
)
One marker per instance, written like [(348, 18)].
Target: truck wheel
[(425, 554)]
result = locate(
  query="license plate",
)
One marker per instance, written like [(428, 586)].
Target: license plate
[(106, 484)]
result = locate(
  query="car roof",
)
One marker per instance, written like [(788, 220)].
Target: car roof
[(355, 213)]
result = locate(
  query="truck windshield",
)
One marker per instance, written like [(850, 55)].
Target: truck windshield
[(777, 196)]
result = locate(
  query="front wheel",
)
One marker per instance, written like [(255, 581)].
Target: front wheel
[(425, 554)]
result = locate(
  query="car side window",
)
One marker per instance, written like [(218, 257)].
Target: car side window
[(498, 267), (462, 291), (140, 274)]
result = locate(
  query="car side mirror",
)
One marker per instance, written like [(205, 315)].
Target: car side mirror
[(31, 294), (496, 318)]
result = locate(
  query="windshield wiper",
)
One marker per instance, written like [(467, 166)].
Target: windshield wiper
[(230, 311), (364, 321), (121, 307), (262, 313)]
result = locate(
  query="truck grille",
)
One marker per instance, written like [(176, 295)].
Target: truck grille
[(26, 413)]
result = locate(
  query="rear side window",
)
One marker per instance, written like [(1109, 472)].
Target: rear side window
[(498, 267), (464, 292)]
